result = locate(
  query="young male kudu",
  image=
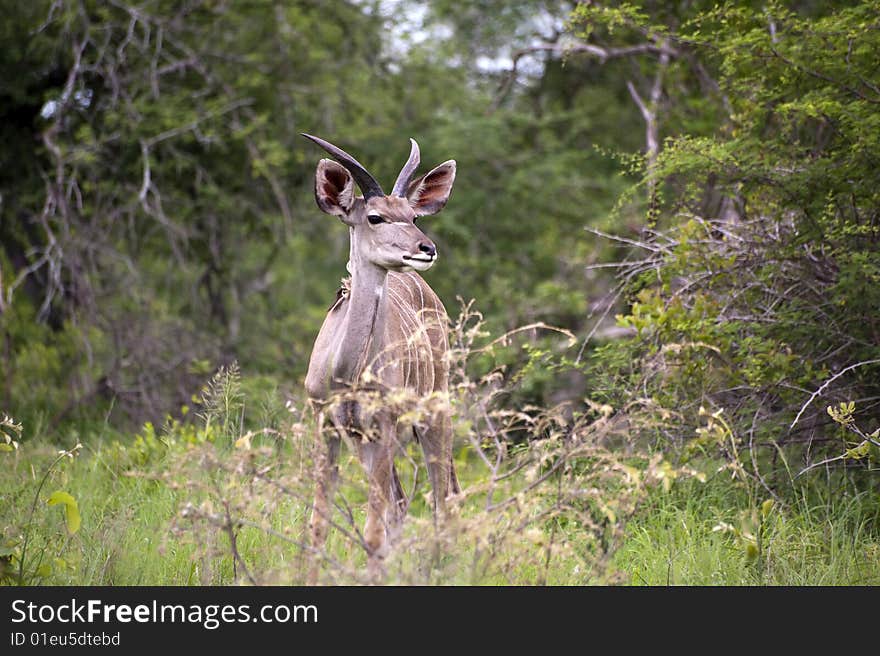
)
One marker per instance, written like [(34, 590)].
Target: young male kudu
[(384, 339)]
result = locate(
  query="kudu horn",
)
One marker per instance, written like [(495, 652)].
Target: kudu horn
[(406, 172), (365, 181)]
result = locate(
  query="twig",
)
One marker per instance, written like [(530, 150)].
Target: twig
[(826, 384), (603, 54), (819, 464), (560, 461), (653, 246), (617, 292), (229, 527)]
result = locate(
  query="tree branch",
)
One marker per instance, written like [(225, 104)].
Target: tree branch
[(649, 114), (602, 53), (821, 389)]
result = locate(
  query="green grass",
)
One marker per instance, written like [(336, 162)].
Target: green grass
[(694, 534), (822, 534), (130, 532)]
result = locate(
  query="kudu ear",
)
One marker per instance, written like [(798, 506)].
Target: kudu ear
[(429, 193), (334, 188)]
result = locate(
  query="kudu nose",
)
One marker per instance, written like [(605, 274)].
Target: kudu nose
[(428, 248)]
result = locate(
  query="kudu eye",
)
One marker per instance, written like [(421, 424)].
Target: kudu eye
[(375, 219)]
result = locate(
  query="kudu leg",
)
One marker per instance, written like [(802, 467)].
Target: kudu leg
[(398, 508), (436, 442), (326, 476), (378, 460)]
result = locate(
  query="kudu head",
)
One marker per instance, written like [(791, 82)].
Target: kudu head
[(383, 229)]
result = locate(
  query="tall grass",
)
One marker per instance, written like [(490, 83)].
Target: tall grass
[(821, 533)]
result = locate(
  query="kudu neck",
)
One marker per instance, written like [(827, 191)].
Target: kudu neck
[(364, 274), (365, 320)]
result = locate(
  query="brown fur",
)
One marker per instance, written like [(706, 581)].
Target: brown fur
[(387, 335)]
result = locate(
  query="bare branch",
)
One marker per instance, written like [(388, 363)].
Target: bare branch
[(819, 464), (616, 292), (192, 125), (653, 247), (649, 114), (821, 389), (565, 48)]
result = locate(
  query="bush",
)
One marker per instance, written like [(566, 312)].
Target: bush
[(756, 284)]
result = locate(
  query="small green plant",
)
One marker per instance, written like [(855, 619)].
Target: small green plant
[(717, 433), (752, 534), (865, 449), (10, 433), (867, 444), (17, 563), (222, 402)]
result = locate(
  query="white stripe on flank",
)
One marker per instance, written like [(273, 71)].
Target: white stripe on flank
[(417, 284), (415, 326), (407, 326)]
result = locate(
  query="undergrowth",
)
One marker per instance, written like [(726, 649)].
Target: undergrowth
[(559, 495)]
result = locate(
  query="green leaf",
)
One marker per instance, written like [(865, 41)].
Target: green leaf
[(751, 551), (858, 452), (44, 570), (71, 510)]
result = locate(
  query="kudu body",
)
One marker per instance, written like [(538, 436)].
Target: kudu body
[(382, 349)]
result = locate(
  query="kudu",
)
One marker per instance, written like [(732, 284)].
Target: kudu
[(382, 349)]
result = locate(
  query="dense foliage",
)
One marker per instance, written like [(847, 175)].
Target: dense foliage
[(755, 281)]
